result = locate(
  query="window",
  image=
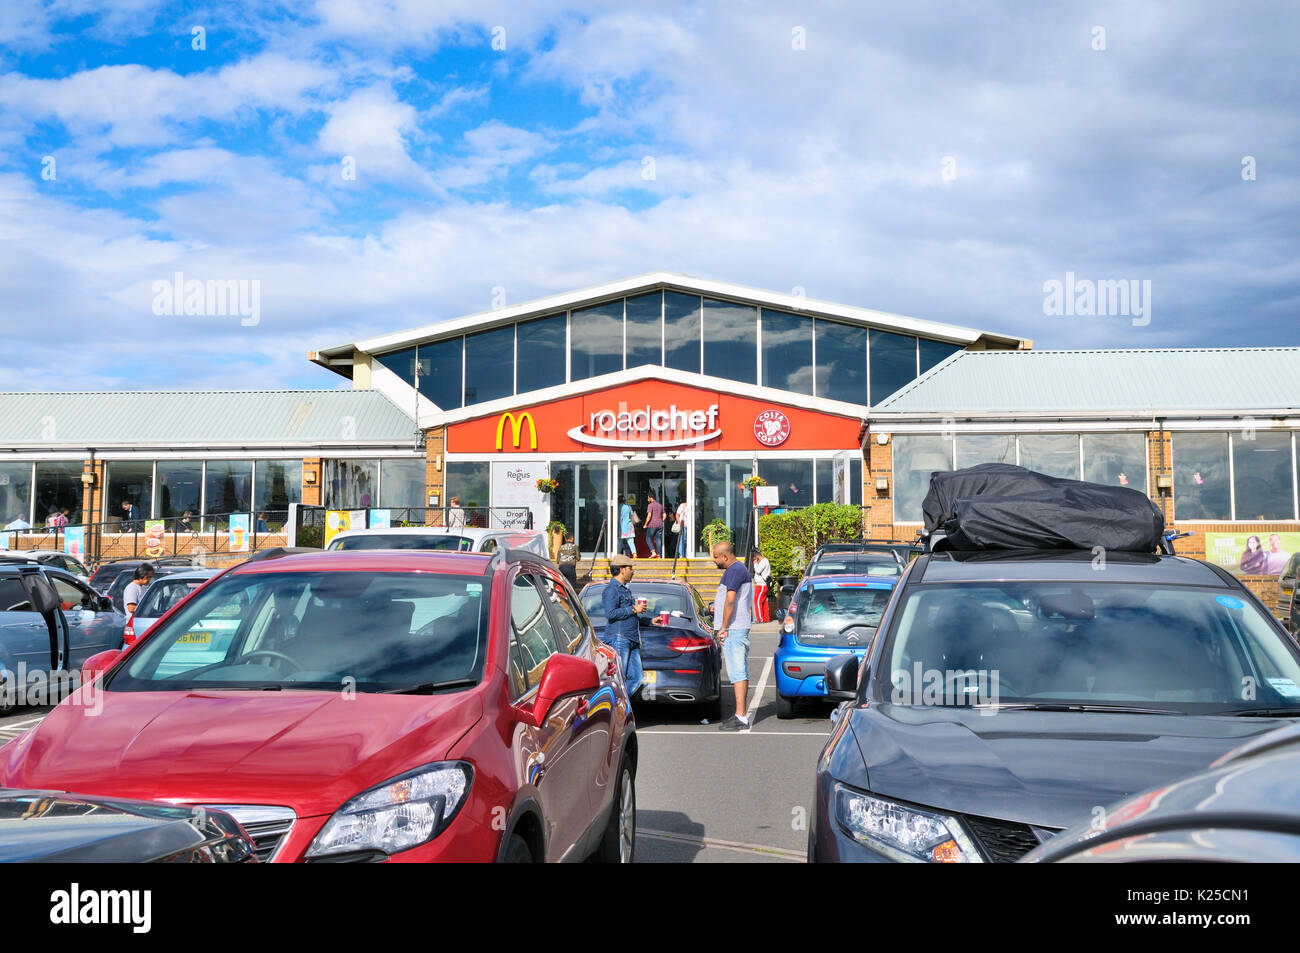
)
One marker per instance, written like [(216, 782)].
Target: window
[(934, 352), (644, 330), (180, 487), (470, 482), (532, 629), (596, 340), (15, 492), (1056, 454), (58, 488), (841, 362), (401, 483), (825, 470), (278, 483), (985, 448), (916, 456), (1116, 459), (540, 350), (439, 369), (13, 597), (572, 627), (730, 341), (72, 596), (489, 365), (794, 478), (682, 331), (228, 487), (893, 363), (1201, 476), (1261, 476), (350, 484), (787, 352), (129, 482)]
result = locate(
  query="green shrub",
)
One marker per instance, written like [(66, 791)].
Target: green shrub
[(780, 534), (713, 533)]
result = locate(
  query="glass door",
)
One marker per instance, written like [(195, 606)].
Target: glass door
[(579, 503), (721, 495), (636, 483)]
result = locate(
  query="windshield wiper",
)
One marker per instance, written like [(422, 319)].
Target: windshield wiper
[(1261, 712), (428, 688), (1102, 708)]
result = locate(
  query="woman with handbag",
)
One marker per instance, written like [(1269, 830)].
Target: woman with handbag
[(627, 520)]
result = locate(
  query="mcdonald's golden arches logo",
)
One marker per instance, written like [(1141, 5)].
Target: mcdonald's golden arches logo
[(517, 429)]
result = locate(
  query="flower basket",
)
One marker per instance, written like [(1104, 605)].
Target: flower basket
[(546, 485)]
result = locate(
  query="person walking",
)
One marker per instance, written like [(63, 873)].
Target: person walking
[(762, 577), (134, 590), (732, 604), (680, 528), (654, 526), (456, 515), (622, 627), (626, 527), (569, 560)]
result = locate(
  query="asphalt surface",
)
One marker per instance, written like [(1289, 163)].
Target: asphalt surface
[(703, 795)]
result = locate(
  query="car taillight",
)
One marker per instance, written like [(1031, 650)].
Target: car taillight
[(128, 633), (788, 625), (691, 643)]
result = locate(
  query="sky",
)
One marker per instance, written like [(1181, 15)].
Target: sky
[(357, 167)]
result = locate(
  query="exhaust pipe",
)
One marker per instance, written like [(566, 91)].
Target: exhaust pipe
[(681, 696)]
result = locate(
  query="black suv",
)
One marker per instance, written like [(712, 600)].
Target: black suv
[(1012, 694)]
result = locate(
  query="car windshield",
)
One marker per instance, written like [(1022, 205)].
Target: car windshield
[(439, 541), (832, 608), (657, 602), (1181, 649), (858, 564), (363, 631), (164, 594)]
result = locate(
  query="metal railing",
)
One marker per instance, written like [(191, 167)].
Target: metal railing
[(309, 521)]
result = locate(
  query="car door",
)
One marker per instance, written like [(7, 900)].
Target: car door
[(24, 636), (553, 761), (90, 629)]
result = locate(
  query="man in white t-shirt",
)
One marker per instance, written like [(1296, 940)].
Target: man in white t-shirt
[(681, 529)]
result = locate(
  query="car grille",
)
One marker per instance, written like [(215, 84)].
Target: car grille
[(1004, 841), (267, 826)]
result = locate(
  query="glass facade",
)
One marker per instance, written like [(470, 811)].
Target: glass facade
[(16, 492), (1056, 454), (489, 365), (470, 481), (682, 331), (644, 330), (916, 456), (58, 488), (277, 484), (841, 362), (1115, 459), (540, 351), (985, 448), (128, 481), (825, 482), (794, 478), (1201, 476), (180, 488), (932, 352), (401, 483), (227, 487), (596, 340), (719, 494), (893, 362), (439, 369), (1261, 476), (787, 352), (730, 341), (350, 484)]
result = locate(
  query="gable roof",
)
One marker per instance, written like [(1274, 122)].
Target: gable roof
[(1139, 383)]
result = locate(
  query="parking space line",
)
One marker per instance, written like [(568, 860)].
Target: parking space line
[(758, 694), (714, 733), (22, 724), (696, 841)]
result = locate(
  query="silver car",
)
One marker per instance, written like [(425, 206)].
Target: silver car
[(163, 593)]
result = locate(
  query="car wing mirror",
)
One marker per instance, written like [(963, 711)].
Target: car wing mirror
[(98, 664), (563, 675), (842, 677)]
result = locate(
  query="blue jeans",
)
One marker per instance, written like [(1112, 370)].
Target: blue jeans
[(654, 538), (629, 655), (681, 545)]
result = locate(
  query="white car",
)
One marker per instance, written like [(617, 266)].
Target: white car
[(48, 557), (422, 537), (163, 593)]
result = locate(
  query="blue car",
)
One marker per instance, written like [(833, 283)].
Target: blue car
[(829, 616)]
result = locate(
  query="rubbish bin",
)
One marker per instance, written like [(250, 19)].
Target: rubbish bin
[(788, 584)]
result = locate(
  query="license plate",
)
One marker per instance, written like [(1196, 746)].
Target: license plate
[(649, 678), (195, 638)]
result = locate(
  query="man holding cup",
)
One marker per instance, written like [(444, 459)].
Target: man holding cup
[(622, 625)]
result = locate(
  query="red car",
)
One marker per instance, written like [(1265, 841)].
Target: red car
[(355, 706)]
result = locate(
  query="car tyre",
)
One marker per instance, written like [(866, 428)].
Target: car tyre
[(784, 707), (517, 851), (713, 710), (618, 845)]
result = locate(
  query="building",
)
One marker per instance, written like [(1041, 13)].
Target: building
[(660, 384)]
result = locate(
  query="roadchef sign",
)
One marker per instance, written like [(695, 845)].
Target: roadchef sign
[(648, 427), (772, 428)]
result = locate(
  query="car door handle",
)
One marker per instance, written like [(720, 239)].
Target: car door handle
[(582, 706)]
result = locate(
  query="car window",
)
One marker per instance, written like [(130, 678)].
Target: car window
[(532, 628), (827, 608), (572, 627), (13, 597), (433, 541), (70, 595), (164, 594), (488, 545)]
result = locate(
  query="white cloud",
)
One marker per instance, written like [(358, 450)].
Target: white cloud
[(373, 126)]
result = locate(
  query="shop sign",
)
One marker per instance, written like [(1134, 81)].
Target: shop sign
[(648, 427), (772, 428)]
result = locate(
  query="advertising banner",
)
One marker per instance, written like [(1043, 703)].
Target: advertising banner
[(239, 532), (74, 541), (1251, 554), (380, 519), (154, 530), (514, 485)]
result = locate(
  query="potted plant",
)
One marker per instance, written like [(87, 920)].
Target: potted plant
[(547, 485), (715, 532), (751, 482), (555, 533)]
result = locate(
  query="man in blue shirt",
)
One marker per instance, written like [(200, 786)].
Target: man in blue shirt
[(622, 628), (732, 603)]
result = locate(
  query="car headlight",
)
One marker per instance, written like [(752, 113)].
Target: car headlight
[(398, 814), (903, 833)]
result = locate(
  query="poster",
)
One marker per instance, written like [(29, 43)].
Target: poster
[(381, 519), (1251, 554), (74, 541), (767, 496), (154, 530), (514, 486), (840, 478), (239, 532), (336, 521)]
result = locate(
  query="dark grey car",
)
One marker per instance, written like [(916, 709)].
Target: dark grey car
[(1012, 695)]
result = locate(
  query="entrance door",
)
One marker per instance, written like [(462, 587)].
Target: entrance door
[(579, 503), (667, 481)]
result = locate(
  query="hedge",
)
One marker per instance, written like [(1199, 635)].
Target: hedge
[(780, 534)]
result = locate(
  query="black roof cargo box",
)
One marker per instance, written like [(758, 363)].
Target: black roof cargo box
[(1000, 506)]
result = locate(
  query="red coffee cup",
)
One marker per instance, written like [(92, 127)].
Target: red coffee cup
[(663, 618)]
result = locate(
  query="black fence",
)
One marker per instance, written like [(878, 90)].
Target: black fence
[(310, 522)]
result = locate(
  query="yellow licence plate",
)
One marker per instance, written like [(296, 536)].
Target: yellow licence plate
[(195, 638), (649, 678)]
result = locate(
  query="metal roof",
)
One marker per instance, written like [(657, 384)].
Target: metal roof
[(1113, 382), (184, 419), (338, 358)]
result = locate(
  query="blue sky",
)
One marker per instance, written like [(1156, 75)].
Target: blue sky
[(927, 159)]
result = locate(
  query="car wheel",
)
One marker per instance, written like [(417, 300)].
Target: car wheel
[(713, 710), (517, 851), (784, 706), (618, 846)]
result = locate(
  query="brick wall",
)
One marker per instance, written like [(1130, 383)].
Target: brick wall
[(879, 504), (311, 492), (435, 470)]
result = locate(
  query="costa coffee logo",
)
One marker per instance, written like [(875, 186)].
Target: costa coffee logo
[(772, 428), (648, 427)]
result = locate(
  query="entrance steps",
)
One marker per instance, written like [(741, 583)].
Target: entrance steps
[(700, 572)]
